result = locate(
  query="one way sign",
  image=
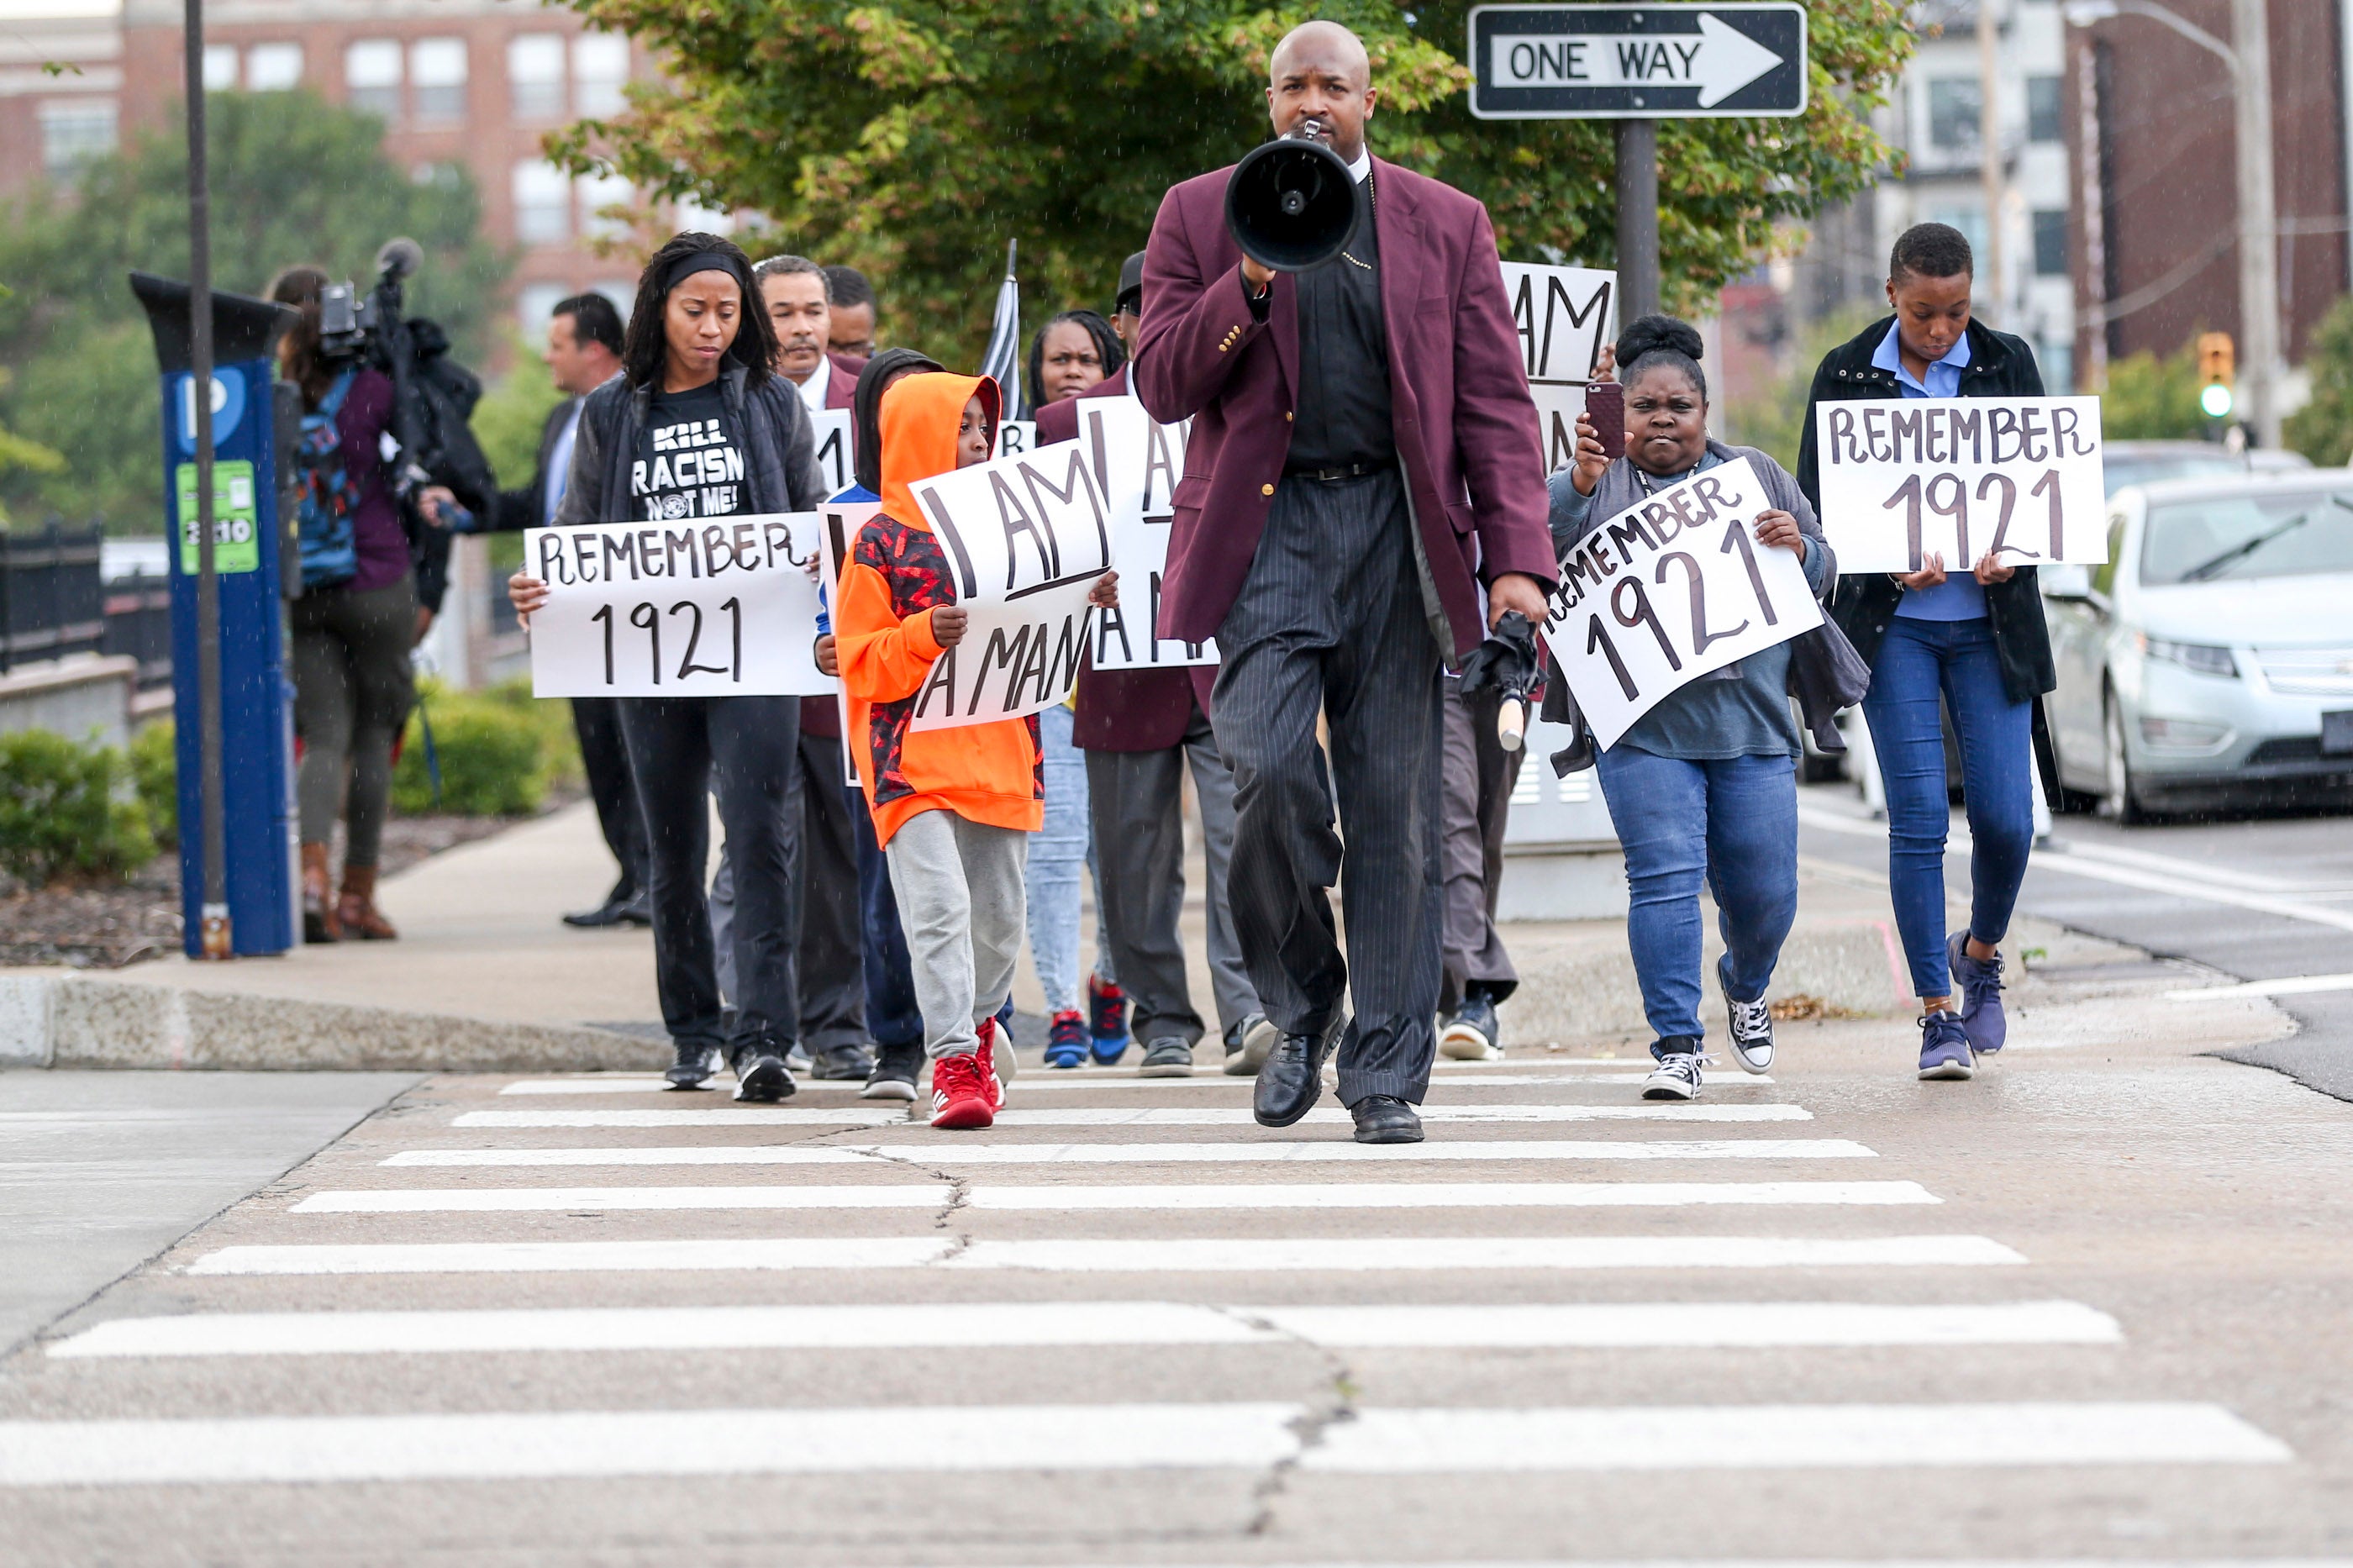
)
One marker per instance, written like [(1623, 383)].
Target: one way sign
[(1637, 62)]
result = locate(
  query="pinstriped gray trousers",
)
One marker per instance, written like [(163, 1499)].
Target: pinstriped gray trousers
[(1330, 619)]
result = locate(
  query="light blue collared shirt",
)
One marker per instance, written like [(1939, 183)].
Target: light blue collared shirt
[(1960, 597)]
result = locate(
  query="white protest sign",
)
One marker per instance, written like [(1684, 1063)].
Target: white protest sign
[(1668, 591), (1565, 316), (1906, 479), (837, 449), (1026, 535), (720, 607), (1015, 437), (1138, 461), (837, 526)]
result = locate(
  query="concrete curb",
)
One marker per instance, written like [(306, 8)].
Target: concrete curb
[(74, 1020)]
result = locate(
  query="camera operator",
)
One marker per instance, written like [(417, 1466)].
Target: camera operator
[(353, 688)]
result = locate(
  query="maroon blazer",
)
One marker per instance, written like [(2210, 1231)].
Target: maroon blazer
[(1466, 430), (1125, 710), (822, 715)]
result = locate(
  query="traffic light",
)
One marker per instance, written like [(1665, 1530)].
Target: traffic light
[(2216, 361)]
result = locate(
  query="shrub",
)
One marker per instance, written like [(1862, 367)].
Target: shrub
[(155, 773), (499, 751), (68, 808)]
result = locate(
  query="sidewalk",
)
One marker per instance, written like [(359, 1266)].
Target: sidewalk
[(487, 978)]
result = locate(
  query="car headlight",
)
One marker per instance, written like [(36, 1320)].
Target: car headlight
[(2204, 658)]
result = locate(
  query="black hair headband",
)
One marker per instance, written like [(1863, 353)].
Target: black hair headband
[(695, 261)]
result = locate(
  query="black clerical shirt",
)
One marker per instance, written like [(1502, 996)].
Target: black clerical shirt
[(1343, 415)]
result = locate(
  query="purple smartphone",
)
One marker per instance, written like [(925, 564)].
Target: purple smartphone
[(1605, 404)]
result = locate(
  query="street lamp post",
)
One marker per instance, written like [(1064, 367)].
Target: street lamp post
[(2251, 82)]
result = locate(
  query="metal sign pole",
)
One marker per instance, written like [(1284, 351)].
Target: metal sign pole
[(200, 404), (1638, 219)]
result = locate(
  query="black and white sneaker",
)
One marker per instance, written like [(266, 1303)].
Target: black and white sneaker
[(1677, 1075), (896, 1068), (1469, 1033), (1166, 1057), (797, 1060), (761, 1075), (695, 1064), (1247, 1045), (1752, 1034)]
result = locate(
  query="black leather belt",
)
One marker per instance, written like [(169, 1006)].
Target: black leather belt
[(1348, 471)]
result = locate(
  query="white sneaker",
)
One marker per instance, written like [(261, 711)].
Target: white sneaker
[(1469, 1033), (1752, 1035), (1675, 1078), (799, 1060)]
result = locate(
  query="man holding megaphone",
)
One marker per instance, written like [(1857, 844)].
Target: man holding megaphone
[(1363, 455)]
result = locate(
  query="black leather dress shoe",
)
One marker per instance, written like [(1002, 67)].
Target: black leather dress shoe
[(607, 914), (1293, 1074), (1381, 1118)]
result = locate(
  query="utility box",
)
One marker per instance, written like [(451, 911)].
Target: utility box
[(1561, 858), (256, 698)]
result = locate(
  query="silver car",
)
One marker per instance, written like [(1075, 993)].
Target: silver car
[(2211, 658)]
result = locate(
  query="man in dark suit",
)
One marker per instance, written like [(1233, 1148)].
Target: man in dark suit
[(1363, 453), (831, 968), (584, 352), (1140, 730)]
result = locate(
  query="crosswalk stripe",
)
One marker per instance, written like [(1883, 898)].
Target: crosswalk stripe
[(578, 1444), (1172, 1256), (1119, 1116), (589, 1444), (1142, 1199), (1057, 1082), (1334, 1152), (1786, 1436), (555, 1200), (1691, 1325)]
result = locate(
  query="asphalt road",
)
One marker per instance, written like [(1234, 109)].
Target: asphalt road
[(2091, 1305), (2261, 897)]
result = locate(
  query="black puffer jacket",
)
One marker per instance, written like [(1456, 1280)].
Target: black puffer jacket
[(1999, 366)]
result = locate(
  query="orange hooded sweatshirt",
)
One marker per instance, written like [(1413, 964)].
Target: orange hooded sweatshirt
[(897, 574)]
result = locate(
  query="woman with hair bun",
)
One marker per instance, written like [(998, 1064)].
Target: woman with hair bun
[(1703, 788), (696, 383)]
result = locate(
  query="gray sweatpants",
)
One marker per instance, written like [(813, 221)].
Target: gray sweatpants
[(961, 905)]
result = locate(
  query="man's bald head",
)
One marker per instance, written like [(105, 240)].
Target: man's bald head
[(1320, 72)]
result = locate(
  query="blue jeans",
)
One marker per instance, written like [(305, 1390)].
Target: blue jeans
[(1917, 661), (1059, 854), (1732, 823)]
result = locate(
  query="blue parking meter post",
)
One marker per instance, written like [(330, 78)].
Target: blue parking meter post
[(256, 698)]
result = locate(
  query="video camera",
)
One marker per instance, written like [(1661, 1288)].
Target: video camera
[(433, 396)]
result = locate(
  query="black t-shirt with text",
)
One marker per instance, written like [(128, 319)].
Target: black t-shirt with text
[(690, 460)]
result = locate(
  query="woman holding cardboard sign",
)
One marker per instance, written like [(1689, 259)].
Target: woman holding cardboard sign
[(1703, 787), (698, 425), (1974, 637)]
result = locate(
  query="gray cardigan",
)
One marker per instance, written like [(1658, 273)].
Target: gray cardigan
[(779, 448), (1825, 675)]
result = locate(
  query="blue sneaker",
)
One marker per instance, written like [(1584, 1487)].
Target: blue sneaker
[(1066, 1040), (1106, 1019), (1944, 1047), (1979, 980)]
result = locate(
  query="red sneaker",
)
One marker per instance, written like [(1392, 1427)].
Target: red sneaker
[(987, 1056), (964, 1091)]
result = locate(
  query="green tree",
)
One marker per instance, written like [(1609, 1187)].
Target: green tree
[(2323, 429), (2153, 399), (293, 179), (913, 138)]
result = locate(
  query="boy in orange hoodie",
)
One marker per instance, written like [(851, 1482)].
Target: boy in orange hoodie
[(953, 808)]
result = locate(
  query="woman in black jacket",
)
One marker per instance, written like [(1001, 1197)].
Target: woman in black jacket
[(1974, 637), (695, 377)]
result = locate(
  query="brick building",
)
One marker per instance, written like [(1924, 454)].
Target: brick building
[(476, 82), (2150, 115)]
